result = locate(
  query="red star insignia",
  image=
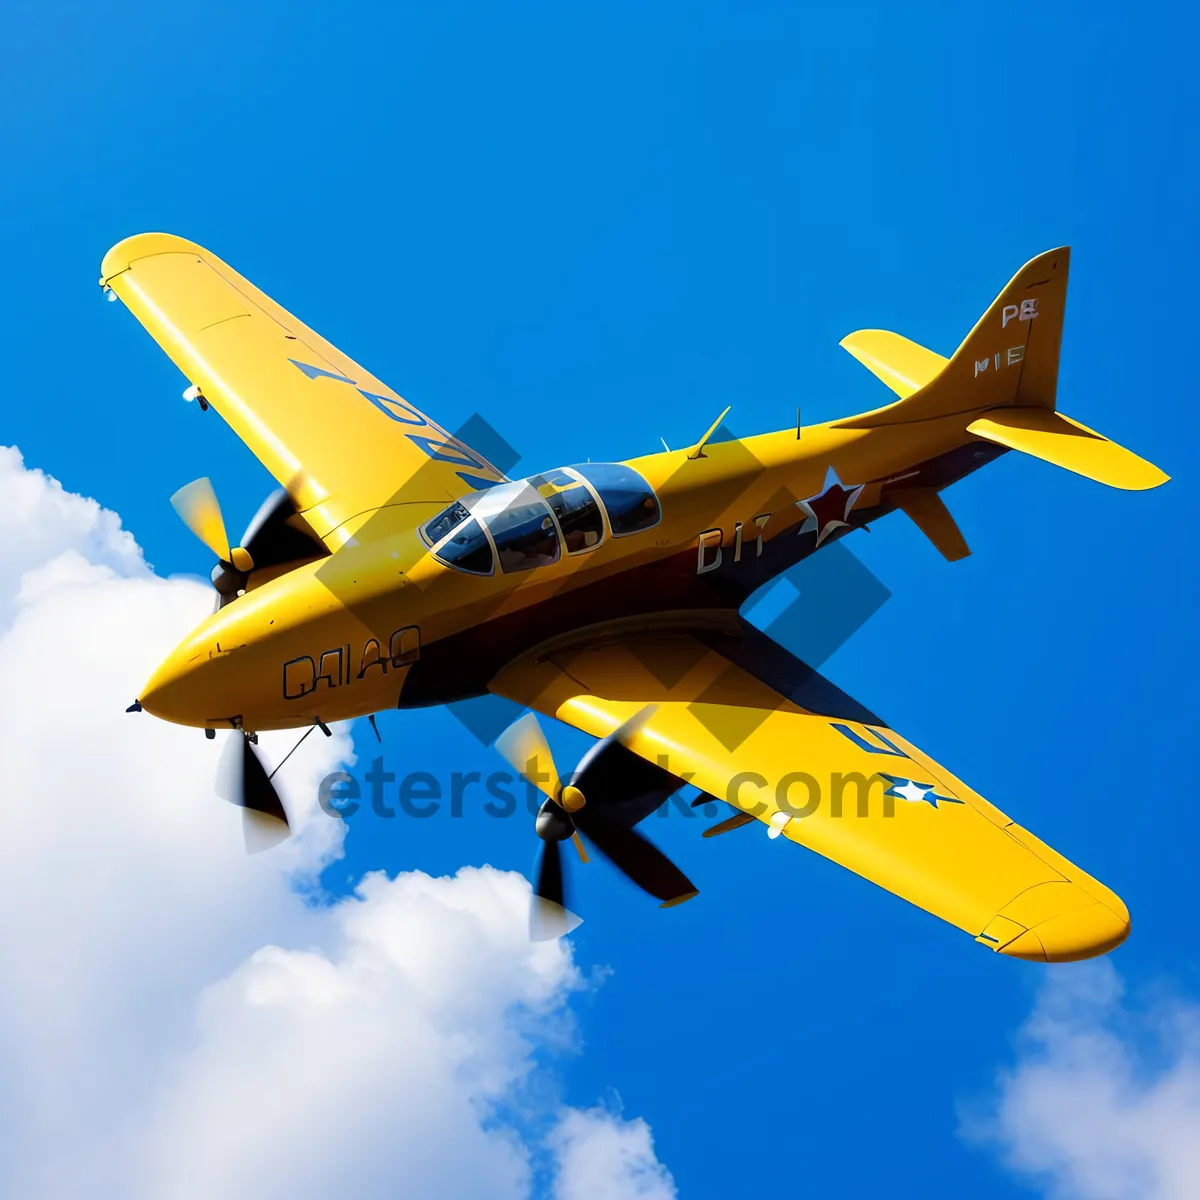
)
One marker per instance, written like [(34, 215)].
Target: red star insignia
[(829, 508)]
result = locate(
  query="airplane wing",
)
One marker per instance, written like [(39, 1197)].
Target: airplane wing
[(742, 719), (342, 443)]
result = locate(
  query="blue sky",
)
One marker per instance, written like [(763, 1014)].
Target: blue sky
[(597, 226)]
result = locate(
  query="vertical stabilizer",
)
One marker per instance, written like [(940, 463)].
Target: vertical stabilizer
[(1010, 358)]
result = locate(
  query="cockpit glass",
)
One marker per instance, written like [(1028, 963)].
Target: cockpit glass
[(631, 505), (521, 526), (437, 527), (575, 507), (467, 549)]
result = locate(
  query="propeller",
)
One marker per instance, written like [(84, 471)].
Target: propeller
[(198, 508), (243, 780), (278, 534), (565, 813)]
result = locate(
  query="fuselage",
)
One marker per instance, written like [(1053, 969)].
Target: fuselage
[(387, 621)]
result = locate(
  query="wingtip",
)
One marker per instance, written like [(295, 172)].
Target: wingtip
[(1084, 933), (141, 245), (1150, 478)]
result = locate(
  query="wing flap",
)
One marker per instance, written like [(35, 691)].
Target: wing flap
[(856, 793)]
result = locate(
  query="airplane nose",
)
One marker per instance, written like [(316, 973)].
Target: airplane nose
[(170, 694)]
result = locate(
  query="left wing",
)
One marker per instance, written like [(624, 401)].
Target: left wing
[(342, 443), (745, 721)]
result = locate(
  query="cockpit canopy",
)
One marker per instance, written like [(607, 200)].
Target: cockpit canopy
[(532, 522)]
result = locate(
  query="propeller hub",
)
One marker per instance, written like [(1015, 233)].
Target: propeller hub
[(572, 799), (553, 824), (227, 579)]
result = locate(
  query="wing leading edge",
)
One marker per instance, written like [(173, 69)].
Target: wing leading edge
[(342, 443), (751, 725)]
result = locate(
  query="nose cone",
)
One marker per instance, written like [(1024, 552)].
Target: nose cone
[(1084, 932), (167, 694), (175, 692)]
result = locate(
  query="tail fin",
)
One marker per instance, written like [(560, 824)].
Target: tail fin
[(1009, 359), (1002, 381)]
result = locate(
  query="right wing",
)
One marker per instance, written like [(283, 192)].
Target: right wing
[(340, 441), (740, 718)]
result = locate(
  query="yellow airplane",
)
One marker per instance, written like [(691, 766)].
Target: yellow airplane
[(399, 568)]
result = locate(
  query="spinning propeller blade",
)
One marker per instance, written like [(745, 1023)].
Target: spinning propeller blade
[(549, 885), (524, 747), (640, 860), (633, 726), (196, 504), (565, 814), (242, 780), (549, 918)]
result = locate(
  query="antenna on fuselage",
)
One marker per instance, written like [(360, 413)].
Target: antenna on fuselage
[(697, 451)]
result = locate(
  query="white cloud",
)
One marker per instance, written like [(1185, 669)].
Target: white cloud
[(601, 1156), (1103, 1102), (378, 1069), (175, 1019), (42, 520)]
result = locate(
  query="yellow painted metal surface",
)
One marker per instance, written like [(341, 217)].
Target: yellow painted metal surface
[(1068, 444), (336, 437), (929, 513), (1009, 358), (929, 838), (903, 365)]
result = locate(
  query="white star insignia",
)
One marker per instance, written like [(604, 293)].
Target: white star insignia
[(916, 793), (913, 792)]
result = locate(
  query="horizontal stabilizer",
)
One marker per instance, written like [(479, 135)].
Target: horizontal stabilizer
[(903, 365), (1056, 439)]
